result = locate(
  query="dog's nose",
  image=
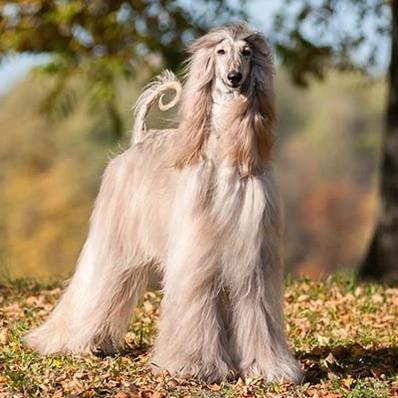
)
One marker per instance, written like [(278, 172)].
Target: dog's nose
[(235, 77)]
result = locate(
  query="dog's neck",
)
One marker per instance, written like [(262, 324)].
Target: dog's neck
[(221, 96)]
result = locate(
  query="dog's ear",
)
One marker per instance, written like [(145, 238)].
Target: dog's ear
[(196, 102), (200, 64), (261, 113), (263, 95), (262, 76)]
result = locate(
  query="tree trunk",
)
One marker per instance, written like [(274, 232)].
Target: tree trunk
[(381, 261)]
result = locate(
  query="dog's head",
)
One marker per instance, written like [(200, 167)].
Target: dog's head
[(232, 62), (234, 56), (230, 59)]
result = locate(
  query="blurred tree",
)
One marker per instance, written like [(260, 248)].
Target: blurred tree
[(313, 35), (101, 41)]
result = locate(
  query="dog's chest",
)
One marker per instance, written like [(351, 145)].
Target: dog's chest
[(228, 201), (219, 117)]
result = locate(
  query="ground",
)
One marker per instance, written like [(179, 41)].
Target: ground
[(344, 334)]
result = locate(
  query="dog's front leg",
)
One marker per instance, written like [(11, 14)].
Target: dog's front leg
[(192, 337), (258, 328)]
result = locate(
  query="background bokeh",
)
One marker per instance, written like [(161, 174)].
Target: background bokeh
[(326, 160)]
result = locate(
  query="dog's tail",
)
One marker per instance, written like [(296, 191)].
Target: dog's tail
[(154, 91)]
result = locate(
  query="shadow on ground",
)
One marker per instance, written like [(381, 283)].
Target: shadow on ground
[(351, 360)]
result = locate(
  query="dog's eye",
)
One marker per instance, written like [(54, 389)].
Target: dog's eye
[(221, 51), (246, 52)]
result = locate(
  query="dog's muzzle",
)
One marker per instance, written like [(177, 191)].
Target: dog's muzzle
[(234, 78)]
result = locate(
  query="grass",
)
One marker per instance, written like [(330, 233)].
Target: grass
[(344, 334)]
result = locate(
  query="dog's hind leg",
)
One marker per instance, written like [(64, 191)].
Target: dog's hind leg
[(110, 278), (89, 316)]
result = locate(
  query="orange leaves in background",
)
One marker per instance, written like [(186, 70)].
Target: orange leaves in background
[(337, 217)]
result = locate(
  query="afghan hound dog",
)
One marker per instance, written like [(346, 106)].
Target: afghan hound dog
[(199, 203)]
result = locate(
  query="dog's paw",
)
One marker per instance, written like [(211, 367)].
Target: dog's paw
[(209, 373), (288, 372), (50, 339)]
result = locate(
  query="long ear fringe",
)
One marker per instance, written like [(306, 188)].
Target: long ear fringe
[(250, 137), (195, 108)]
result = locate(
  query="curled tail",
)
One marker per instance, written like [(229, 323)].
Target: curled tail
[(155, 90)]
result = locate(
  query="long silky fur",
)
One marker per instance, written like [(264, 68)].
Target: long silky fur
[(203, 211)]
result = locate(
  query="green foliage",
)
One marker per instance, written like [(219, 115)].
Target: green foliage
[(369, 389), (116, 33), (100, 42), (312, 36)]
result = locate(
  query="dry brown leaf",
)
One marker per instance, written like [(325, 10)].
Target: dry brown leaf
[(215, 387), (377, 298), (330, 358), (348, 382), (122, 394), (4, 336), (158, 394)]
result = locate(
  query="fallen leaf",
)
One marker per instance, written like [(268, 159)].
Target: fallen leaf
[(215, 387), (4, 336)]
